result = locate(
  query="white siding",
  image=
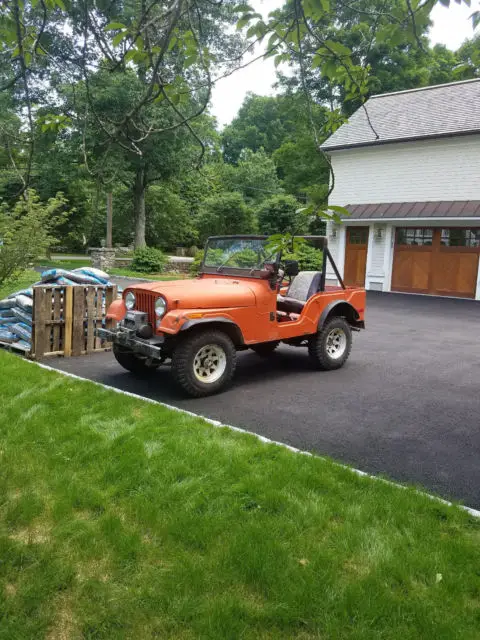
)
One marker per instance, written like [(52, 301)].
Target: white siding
[(375, 275), (442, 169), (336, 246)]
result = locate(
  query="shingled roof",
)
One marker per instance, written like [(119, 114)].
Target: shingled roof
[(429, 112)]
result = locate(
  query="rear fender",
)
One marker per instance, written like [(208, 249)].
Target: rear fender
[(343, 309)]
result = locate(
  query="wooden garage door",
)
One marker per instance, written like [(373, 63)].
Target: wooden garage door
[(356, 256), (436, 261)]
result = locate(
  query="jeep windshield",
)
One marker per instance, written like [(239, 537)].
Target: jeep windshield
[(237, 255)]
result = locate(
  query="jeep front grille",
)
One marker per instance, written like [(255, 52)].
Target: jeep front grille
[(146, 302)]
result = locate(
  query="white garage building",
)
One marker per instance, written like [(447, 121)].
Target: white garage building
[(407, 168)]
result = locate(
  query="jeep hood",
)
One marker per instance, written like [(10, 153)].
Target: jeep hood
[(203, 293)]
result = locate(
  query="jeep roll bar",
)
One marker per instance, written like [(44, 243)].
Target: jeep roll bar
[(321, 243)]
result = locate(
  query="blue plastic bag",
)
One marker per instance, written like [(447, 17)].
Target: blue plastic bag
[(24, 302), (22, 344), (100, 276), (22, 330), (7, 336), (23, 292), (8, 303), (23, 316), (65, 281), (54, 275)]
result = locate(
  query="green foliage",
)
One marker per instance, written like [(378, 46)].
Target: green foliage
[(225, 213), (280, 127), (195, 266), (244, 259), (263, 122), (300, 166), (279, 215), (214, 257), (308, 258), (254, 176), (148, 260), (27, 231), (169, 221)]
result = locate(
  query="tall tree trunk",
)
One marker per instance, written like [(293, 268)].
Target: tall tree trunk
[(139, 189), (109, 219)]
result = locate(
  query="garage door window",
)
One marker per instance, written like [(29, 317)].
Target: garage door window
[(460, 237), (416, 237), (358, 235)]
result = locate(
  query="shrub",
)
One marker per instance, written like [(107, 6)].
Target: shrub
[(169, 222), (223, 214), (27, 232), (195, 266), (148, 260), (245, 259), (308, 258), (279, 214)]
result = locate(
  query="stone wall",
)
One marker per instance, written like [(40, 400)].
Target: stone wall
[(103, 258)]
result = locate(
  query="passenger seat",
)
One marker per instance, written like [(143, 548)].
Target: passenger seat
[(304, 286)]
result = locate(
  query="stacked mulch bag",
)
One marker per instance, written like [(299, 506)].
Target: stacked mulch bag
[(16, 319), (16, 310)]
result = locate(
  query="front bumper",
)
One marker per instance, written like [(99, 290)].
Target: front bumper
[(127, 338)]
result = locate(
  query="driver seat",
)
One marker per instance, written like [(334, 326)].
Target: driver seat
[(304, 286)]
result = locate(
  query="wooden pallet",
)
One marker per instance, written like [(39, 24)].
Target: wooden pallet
[(65, 319)]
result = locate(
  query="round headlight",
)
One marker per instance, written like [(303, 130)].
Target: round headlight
[(130, 300), (160, 307)]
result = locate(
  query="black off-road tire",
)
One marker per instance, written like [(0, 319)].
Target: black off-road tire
[(319, 345), (183, 362), (265, 349), (129, 361)]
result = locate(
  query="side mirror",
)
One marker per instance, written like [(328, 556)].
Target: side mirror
[(291, 268)]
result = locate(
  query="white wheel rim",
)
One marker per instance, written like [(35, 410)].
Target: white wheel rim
[(209, 363), (336, 343)]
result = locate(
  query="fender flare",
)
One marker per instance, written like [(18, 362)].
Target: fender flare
[(193, 322), (326, 312)]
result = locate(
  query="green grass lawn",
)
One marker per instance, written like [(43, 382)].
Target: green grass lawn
[(26, 280), (122, 519), (64, 264)]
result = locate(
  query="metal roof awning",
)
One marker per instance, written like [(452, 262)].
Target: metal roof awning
[(414, 210)]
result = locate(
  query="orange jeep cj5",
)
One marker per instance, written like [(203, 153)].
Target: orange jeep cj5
[(245, 297)]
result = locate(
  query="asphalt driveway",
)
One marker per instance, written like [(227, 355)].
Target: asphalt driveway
[(406, 405)]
